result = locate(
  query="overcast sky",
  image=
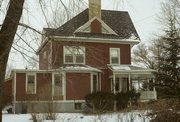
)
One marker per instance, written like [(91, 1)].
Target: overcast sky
[(143, 14)]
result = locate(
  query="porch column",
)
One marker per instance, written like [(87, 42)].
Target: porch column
[(154, 87), (114, 78), (129, 78)]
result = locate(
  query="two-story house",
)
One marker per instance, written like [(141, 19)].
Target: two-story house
[(89, 53)]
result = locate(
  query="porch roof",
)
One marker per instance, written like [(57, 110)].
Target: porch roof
[(129, 69), (78, 68)]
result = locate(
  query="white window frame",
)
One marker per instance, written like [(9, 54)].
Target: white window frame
[(98, 82), (119, 55), (74, 57), (35, 82), (63, 84)]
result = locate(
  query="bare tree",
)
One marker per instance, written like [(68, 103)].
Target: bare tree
[(147, 55), (7, 34)]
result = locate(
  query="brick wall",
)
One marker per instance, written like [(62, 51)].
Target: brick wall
[(78, 85), (97, 54)]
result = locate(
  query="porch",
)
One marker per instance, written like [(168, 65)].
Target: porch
[(127, 77)]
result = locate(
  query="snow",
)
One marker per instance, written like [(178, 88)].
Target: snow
[(135, 116), (121, 67), (77, 68), (133, 37)]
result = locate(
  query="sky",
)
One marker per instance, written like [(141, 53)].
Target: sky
[(142, 12)]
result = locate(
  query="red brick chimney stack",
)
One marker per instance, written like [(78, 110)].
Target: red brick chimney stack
[(95, 11)]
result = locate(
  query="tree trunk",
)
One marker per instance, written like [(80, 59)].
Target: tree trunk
[(7, 34)]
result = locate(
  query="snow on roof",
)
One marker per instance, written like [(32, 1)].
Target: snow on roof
[(126, 67), (79, 68)]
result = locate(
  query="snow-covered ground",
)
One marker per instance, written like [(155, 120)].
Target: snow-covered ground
[(77, 117)]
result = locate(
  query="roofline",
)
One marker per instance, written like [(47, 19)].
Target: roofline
[(134, 71), (52, 70), (100, 40), (87, 39)]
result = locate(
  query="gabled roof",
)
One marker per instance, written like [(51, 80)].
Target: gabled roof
[(119, 21)]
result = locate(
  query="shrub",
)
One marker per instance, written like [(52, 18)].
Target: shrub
[(124, 99), (166, 110), (100, 102)]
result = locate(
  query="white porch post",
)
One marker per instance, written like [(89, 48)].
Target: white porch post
[(129, 78), (154, 87), (114, 81), (114, 78)]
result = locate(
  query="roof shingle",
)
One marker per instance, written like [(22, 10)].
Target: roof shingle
[(118, 21)]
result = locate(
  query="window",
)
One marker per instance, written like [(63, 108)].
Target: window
[(95, 83), (31, 83), (74, 55), (121, 84), (58, 84), (114, 56)]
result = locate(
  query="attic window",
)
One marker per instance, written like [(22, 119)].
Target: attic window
[(74, 54)]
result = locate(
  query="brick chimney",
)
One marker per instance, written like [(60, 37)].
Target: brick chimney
[(94, 9)]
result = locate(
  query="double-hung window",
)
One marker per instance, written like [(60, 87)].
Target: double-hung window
[(30, 83), (58, 84), (95, 83), (74, 55), (114, 55)]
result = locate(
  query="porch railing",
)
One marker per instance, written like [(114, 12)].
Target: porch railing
[(148, 95)]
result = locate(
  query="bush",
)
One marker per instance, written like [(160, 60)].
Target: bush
[(124, 99), (100, 102), (166, 110)]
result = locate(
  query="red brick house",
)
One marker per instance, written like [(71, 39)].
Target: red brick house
[(89, 53)]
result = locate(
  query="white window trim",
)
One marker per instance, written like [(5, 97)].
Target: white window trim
[(34, 82), (63, 84), (74, 57), (119, 56), (97, 82)]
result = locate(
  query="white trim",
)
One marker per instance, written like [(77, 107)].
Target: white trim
[(50, 56), (88, 25), (35, 82), (129, 80), (55, 101), (119, 56), (96, 40), (93, 73), (63, 84), (64, 76), (53, 71), (114, 82), (133, 71)]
